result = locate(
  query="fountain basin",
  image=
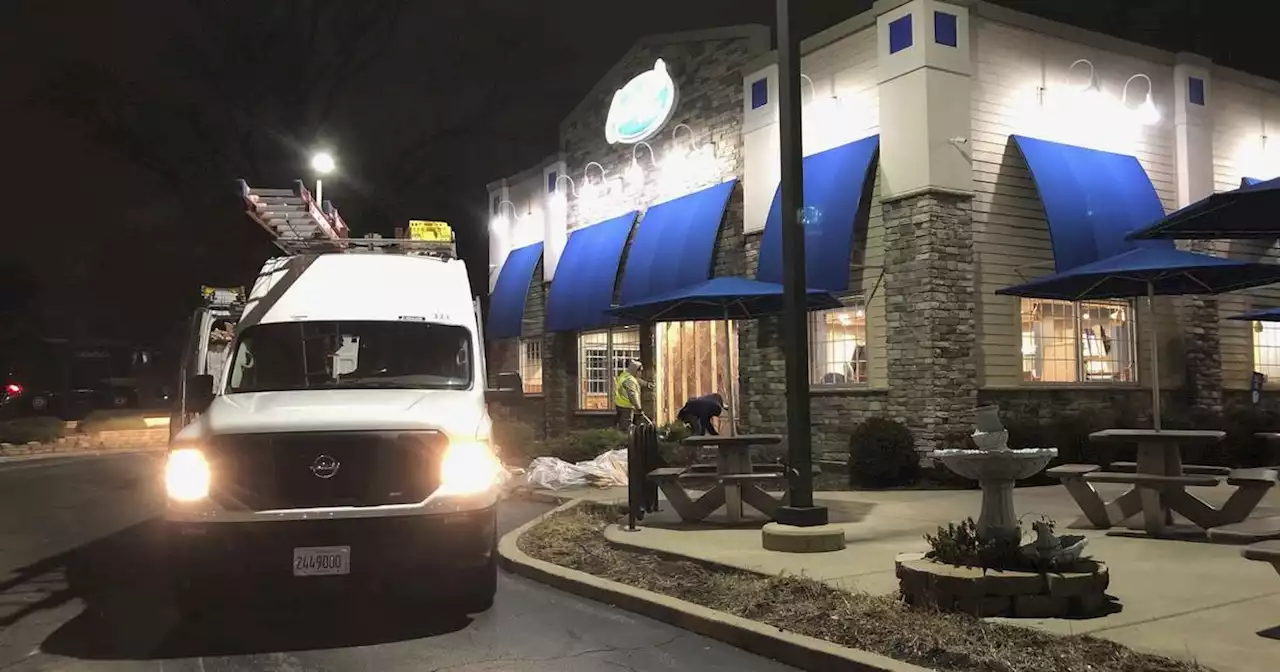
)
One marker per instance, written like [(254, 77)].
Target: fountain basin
[(1007, 465), (996, 471)]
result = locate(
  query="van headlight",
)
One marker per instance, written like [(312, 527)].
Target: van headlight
[(468, 467), (186, 475)]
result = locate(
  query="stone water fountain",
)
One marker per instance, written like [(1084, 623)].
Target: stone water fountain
[(996, 468)]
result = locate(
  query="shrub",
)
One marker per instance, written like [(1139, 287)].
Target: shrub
[(515, 440), (107, 421), (26, 430), (882, 453), (962, 545), (586, 444)]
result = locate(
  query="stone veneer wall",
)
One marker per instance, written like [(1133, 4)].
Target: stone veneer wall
[(1202, 345), (929, 286)]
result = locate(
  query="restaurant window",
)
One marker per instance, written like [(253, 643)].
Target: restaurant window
[(595, 375), (838, 344), (1084, 342), (691, 363), (531, 365), (1266, 350)]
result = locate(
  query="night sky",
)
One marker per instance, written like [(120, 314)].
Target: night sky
[(127, 122)]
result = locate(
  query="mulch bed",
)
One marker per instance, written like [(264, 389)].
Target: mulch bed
[(877, 623)]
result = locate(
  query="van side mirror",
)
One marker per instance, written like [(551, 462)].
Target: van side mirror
[(509, 388), (199, 393)]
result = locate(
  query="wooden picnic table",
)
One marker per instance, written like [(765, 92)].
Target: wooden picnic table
[(737, 482), (1159, 483)]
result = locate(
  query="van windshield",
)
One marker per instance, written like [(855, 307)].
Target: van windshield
[(348, 355)]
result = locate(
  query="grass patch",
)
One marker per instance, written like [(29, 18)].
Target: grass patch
[(25, 430), (110, 421), (877, 623)]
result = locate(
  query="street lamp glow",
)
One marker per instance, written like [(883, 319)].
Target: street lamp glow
[(323, 163)]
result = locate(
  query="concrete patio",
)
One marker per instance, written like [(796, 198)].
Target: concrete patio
[(1187, 598)]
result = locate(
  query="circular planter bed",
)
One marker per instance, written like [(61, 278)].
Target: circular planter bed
[(1078, 592)]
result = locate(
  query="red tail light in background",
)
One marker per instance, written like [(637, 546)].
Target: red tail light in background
[(13, 389)]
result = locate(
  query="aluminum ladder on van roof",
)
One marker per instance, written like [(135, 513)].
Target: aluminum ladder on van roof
[(299, 225)]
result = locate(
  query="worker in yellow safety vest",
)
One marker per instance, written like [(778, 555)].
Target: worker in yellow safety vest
[(626, 395)]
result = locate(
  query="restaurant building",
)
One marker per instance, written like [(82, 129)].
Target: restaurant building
[(951, 149)]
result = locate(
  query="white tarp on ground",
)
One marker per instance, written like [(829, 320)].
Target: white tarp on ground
[(606, 470)]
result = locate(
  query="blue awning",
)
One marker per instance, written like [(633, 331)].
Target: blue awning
[(582, 291), (838, 185), (674, 243), (1092, 200), (731, 298), (506, 304)]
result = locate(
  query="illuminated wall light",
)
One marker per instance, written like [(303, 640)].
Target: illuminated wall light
[(501, 222), (635, 174), (1092, 90), (590, 190), (1146, 113), (560, 202)]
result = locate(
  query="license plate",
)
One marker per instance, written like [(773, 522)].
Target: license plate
[(321, 560)]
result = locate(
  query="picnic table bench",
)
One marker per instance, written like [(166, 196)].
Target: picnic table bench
[(737, 482), (1159, 481), (1264, 551)]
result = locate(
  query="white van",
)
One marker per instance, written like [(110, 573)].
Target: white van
[(349, 443)]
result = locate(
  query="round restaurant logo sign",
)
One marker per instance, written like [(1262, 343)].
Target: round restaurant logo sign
[(641, 107)]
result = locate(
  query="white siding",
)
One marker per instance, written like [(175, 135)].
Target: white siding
[(845, 69), (872, 286), (523, 218), (1242, 116), (1011, 235)]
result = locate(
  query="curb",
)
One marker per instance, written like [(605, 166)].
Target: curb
[(801, 651)]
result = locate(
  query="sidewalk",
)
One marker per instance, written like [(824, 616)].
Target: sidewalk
[(1183, 599)]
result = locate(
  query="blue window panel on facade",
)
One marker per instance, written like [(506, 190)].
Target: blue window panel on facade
[(506, 304), (582, 292), (1092, 200), (551, 182), (945, 29), (838, 186), (760, 93), (674, 244), (900, 34), (1195, 90)]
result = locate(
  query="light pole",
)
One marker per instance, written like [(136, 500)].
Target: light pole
[(801, 511), (323, 164)]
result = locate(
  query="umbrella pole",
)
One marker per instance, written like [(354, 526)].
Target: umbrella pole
[(1155, 357), (731, 406)]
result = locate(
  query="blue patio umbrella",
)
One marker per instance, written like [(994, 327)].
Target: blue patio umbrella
[(1149, 271), (726, 298), (1250, 212), (1268, 315)]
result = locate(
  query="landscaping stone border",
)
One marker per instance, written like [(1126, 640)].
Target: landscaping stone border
[(128, 439), (1079, 593)]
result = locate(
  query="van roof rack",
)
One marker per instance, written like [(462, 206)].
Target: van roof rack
[(298, 224)]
